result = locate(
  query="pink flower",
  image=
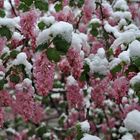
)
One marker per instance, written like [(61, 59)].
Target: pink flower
[(120, 87), (37, 113), (74, 96), (5, 98), (98, 91), (43, 71), (88, 10), (95, 46), (2, 43), (64, 66), (75, 62), (17, 2), (1, 3), (1, 117), (27, 23)]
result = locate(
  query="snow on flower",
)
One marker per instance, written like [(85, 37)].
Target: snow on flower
[(132, 121)]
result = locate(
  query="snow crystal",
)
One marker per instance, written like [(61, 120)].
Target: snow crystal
[(90, 137), (85, 127), (132, 121)]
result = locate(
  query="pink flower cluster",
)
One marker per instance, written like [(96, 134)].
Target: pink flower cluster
[(43, 71), (27, 23), (74, 96), (24, 103), (75, 62), (2, 43)]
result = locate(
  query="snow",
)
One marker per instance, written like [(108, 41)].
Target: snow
[(2, 74), (124, 56), (125, 37), (71, 80), (121, 15), (47, 20), (98, 63), (43, 37), (17, 36), (85, 126), (114, 63), (135, 79), (62, 28), (121, 4), (127, 136), (134, 49), (9, 22), (22, 59), (132, 121), (90, 137)]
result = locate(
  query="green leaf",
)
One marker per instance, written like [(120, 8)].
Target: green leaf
[(2, 82), (58, 7), (23, 7), (41, 25), (27, 2), (2, 13), (41, 130), (136, 61), (41, 5), (14, 78), (80, 3), (86, 67), (42, 47), (116, 69), (53, 54), (94, 32), (83, 76), (79, 132), (61, 44), (5, 32), (14, 53)]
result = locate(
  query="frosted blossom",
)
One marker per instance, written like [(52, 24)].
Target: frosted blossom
[(132, 121)]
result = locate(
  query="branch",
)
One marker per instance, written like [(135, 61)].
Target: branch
[(13, 9)]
